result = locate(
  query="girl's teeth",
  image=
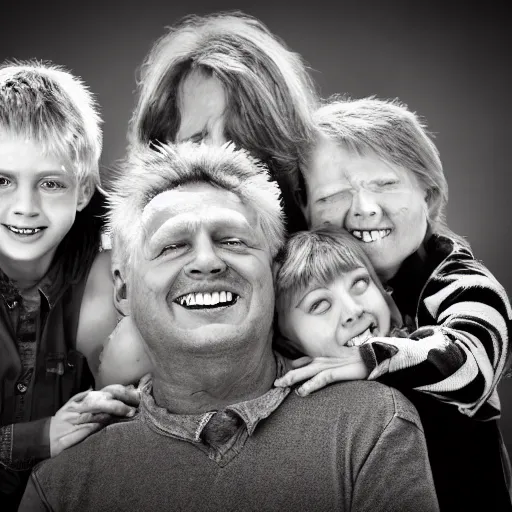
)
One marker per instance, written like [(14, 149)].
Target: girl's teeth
[(360, 338)]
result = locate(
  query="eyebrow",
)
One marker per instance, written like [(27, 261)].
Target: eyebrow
[(307, 291), (39, 174), (190, 224)]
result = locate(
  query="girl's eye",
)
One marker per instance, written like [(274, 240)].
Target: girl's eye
[(360, 284), (4, 182), (319, 307), (52, 185)]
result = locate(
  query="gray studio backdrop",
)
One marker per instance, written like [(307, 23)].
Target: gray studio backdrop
[(448, 61)]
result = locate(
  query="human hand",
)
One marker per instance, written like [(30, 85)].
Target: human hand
[(319, 372), (88, 412)]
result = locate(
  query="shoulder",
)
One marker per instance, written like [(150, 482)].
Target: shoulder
[(364, 405), (98, 315), (458, 271), (85, 461)]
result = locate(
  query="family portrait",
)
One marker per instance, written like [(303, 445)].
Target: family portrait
[(253, 257)]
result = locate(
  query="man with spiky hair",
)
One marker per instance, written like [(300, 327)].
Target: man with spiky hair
[(217, 78), (53, 281), (197, 228), (226, 77)]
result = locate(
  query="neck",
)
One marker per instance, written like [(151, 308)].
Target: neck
[(215, 383), (26, 274)]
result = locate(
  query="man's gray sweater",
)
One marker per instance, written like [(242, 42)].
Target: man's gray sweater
[(353, 446)]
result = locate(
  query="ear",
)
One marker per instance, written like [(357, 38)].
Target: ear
[(433, 200), (85, 192), (121, 301)]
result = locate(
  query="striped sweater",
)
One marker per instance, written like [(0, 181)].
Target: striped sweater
[(459, 316)]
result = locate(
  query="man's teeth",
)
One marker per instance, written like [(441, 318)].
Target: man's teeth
[(372, 235), (360, 338), (23, 231), (206, 299)]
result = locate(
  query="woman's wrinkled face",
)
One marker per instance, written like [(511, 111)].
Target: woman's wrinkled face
[(380, 204), (202, 104)]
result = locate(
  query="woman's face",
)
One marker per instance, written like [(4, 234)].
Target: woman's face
[(202, 104), (380, 204)]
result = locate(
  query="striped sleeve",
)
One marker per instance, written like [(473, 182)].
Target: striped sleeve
[(459, 351)]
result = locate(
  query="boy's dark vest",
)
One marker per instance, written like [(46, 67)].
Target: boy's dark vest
[(60, 370)]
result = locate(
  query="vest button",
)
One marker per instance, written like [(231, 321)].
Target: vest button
[(21, 387)]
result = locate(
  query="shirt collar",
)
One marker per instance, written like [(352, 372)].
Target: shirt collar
[(188, 427), (49, 285), (72, 260)]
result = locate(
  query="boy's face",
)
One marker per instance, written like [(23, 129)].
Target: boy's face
[(380, 204), (39, 198), (348, 311)]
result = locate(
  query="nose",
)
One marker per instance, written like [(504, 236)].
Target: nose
[(364, 204), (26, 202), (206, 261), (215, 137), (351, 311)]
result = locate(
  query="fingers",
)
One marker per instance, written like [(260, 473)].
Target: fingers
[(99, 418), (354, 371), (320, 380), (113, 400), (298, 375), (127, 394), (80, 396), (301, 361), (75, 435), (103, 402)]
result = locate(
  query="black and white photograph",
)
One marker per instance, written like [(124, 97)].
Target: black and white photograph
[(254, 256)]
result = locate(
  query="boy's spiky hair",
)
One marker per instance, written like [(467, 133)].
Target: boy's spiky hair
[(320, 256), (395, 134), (149, 171), (46, 104), (270, 95)]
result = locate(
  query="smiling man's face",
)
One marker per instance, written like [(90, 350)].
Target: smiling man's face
[(201, 281)]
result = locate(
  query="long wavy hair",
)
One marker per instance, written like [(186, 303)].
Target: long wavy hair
[(270, 94)]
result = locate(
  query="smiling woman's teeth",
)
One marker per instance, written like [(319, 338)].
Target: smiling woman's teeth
[(206, 299), (372, 235)]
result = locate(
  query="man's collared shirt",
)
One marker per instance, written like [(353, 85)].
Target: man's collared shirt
[(192, 427)]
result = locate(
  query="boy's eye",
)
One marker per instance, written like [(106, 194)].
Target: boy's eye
[(361, 284), (4, 182), (52, 185), (319, 307), (333, 198)]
